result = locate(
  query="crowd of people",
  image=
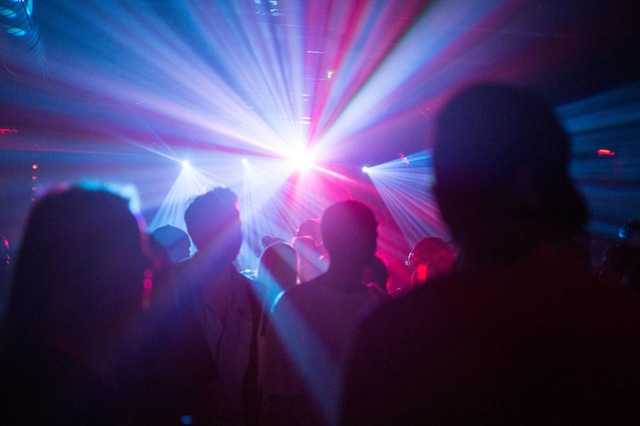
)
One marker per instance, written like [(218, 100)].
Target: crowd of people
[(107, 324)]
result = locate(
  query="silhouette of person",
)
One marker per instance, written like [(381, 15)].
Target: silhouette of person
[(621, 262), (430, 258), (169, 246), (267, 240), (520, 332), (70, 346), (629, 232), (175, 240), (310, 227), (312, 262), (215, 339), (277, 271), (315, 321)]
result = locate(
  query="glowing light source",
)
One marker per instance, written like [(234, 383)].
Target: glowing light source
[(186, 164), (302, 160), (365, 169), (245, 161)]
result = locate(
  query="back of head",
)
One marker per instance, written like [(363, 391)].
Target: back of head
[(431, 257), (310, 228), (80, 268), (175, 240), (213, 223), (428, 249), (349, 232), (311, 261), (278, 265), (501, 157)]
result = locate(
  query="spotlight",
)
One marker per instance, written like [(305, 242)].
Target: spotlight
[(302, 161), (245, 161), (365, 169), (186, 164)]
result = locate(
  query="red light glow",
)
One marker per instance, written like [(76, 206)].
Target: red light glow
[(605, 153)]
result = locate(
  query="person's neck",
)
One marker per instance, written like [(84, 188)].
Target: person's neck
[(346, 277)]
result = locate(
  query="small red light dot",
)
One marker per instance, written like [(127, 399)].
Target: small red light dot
[(605, 152)]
